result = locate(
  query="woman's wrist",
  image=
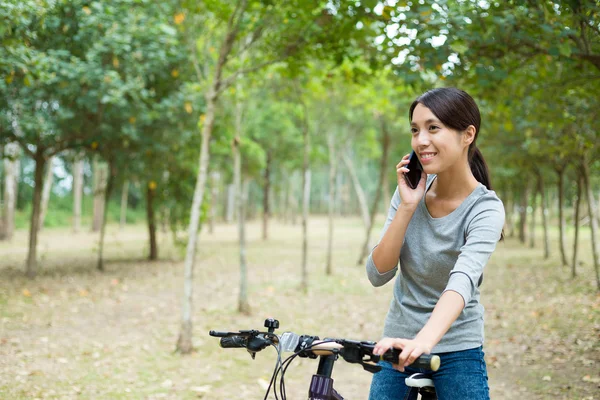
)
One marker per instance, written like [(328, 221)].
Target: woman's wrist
[(407, 208)]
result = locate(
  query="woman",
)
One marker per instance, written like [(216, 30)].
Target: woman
[(443, 232)]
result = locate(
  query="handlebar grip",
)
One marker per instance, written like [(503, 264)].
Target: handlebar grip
[(218, 333), (233, 342), (425, 361)]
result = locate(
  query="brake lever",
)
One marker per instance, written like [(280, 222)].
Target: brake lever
[(354, 352)]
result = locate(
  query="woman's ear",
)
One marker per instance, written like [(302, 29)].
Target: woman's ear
[(469, 135)]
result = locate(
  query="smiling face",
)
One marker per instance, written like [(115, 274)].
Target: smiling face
[(437, 146)]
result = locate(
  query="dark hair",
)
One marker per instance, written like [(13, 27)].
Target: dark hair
[(457, 110)]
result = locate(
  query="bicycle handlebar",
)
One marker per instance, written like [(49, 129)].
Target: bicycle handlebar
[(425, 361), (360, 352)]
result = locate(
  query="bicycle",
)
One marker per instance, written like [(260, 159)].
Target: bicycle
[(328, 351)]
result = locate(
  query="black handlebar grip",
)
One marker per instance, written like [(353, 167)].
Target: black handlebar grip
[(218, 334), (233, 342), (425, 361)]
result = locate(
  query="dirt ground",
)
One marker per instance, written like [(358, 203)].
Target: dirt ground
[(75, 333)]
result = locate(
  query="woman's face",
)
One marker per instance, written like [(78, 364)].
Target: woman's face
[(437, 146)]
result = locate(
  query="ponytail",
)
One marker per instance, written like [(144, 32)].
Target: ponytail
[(479, 167), (480, 171)]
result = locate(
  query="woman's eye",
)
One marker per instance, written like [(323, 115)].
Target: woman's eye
[(413, 130), (432, 127)]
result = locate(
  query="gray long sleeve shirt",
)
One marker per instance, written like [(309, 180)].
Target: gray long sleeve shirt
[(440, 254)]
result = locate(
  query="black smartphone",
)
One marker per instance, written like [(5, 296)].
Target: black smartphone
[(413, 176)]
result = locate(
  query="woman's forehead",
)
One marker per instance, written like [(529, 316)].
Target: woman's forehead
[(422, 114)]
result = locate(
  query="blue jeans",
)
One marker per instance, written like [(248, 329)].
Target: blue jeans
[(462, 376)]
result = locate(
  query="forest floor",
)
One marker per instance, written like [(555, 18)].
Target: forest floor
[(76, 333)]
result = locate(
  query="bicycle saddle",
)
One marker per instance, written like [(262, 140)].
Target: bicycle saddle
[(418, 381)]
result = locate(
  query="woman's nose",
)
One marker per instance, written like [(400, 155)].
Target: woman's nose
[(423, 138)]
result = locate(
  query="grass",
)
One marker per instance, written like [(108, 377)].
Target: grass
[(76, 333)]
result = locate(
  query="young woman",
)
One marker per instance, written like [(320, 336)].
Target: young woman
[(443, 233)]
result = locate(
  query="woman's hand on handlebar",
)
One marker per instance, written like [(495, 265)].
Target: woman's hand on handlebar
[(411, 350)]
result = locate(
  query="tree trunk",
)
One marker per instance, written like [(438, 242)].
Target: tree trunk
[(77, 191), (100, 182), (292, 201), (230, 203), (532, 221), (542, 190), (561, 217), (11, 181), (523, 213), (124, 196), (150, 216), (576, 239), (305, 201), (331, 200), (103, 212), (184, 342), (387, 195), (48, 181), (593, 220), (338, 192), (385, 149), (241, 198), (266, 192), (214, 190), (360, 193), (34, 226)]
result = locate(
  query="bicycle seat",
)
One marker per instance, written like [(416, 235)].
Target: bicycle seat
[(418, 381)]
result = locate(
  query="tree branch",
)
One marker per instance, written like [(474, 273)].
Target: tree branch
[(21, 143)]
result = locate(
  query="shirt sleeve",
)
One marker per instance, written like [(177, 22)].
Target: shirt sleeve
[(375, 277), (482, 234)]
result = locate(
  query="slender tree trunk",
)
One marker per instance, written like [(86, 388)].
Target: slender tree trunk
[(184, 342), (306, 176), (48, 181), (593, 220), (243, 304), (515, 212), (385, 147), (533, 215), (331, 203), (100, 172), (214, 190), (576, 239), (266, 192), (124, 196), (508, 207), (387, 196), (338, 192), (561, 217), (11, 182), (523, 213), (360, 193), (241, 199), (151, 219), (231, 196), (103, 212), (77, 191), (542, 190), (34, 228)]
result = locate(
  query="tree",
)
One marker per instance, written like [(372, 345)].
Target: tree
[(274, 34)]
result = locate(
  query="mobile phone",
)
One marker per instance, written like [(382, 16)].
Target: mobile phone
[(413, 176)]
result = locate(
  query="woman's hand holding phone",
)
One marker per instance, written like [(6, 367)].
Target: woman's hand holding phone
[(409, 197)]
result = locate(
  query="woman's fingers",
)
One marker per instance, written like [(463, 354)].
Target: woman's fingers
[(408, 355), (385, 344), (404, 161)]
